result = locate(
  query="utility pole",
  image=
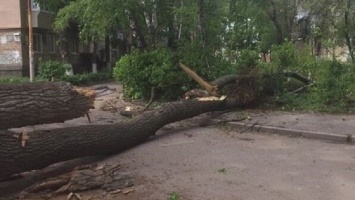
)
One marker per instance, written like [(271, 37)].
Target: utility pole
[(30, 40)]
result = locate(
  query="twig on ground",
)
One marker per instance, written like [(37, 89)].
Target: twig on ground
[(302, 88), (249, 127)]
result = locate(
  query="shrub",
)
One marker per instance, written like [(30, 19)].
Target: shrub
[(335, 83), (333, 90), (51, 69), (140, 71), (286, 57), (247, 59)]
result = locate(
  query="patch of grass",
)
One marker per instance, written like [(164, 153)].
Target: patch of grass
[(83, 79), (174, 196), (222, 171), (310, 103), (11, 80), (223, 127), (17, 79), (78, 79)]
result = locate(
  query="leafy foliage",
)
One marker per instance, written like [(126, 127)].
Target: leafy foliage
[(78, 79), (51, 69), (333, 89), (92, 24), (11, 80), (140, 71), (206, 64), (84, 79), (335, 84), (174, 196), (216, 38)]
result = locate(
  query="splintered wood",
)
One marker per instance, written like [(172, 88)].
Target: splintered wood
[(110, 178), (88, 92)]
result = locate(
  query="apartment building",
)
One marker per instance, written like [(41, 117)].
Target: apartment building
[(14, 40), (14, 46)]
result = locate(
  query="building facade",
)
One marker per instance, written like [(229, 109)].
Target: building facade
[(14, 45)]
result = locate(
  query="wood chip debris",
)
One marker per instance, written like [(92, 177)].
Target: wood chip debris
[(22, 137), (74, 196)]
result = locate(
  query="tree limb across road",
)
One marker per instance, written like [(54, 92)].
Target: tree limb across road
[(45, 147)]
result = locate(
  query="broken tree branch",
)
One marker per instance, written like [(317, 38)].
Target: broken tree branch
[(298, 77), (212, 89)]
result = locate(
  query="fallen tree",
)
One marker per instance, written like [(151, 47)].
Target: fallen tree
[(40, 148), (45, 147), (41, 103)]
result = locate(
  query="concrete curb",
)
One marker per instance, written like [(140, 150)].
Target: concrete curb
[(295, 133)]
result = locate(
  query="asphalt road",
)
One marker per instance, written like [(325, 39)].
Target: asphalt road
[(218, 163)]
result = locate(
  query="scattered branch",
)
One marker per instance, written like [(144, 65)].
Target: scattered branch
[(249, 127), (302, 88), (298, 77)]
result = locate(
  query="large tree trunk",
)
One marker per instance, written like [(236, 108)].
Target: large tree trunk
[(45, 147), (272, 13), (137, 34), (40, 103), (348, 37), (202, 21)]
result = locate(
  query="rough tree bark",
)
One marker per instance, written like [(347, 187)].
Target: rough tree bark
[(45, 147), (348, 37), (40, 103)]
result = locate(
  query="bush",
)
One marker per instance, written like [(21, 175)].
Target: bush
[(140, 71), (51, 69), (286, 57), (335, 84), (333, 90), (247, 60)]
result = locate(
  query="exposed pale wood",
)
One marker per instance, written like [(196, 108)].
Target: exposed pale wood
[(212, 89)]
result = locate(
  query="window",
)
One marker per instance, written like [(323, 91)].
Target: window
[(36, 7), (17, 37), (3, 39), (37, 43), (51, 43)]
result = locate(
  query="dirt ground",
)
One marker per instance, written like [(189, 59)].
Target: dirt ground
[(188, 162)]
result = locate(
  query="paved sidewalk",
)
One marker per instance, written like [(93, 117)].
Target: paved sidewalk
[(339, 128)]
